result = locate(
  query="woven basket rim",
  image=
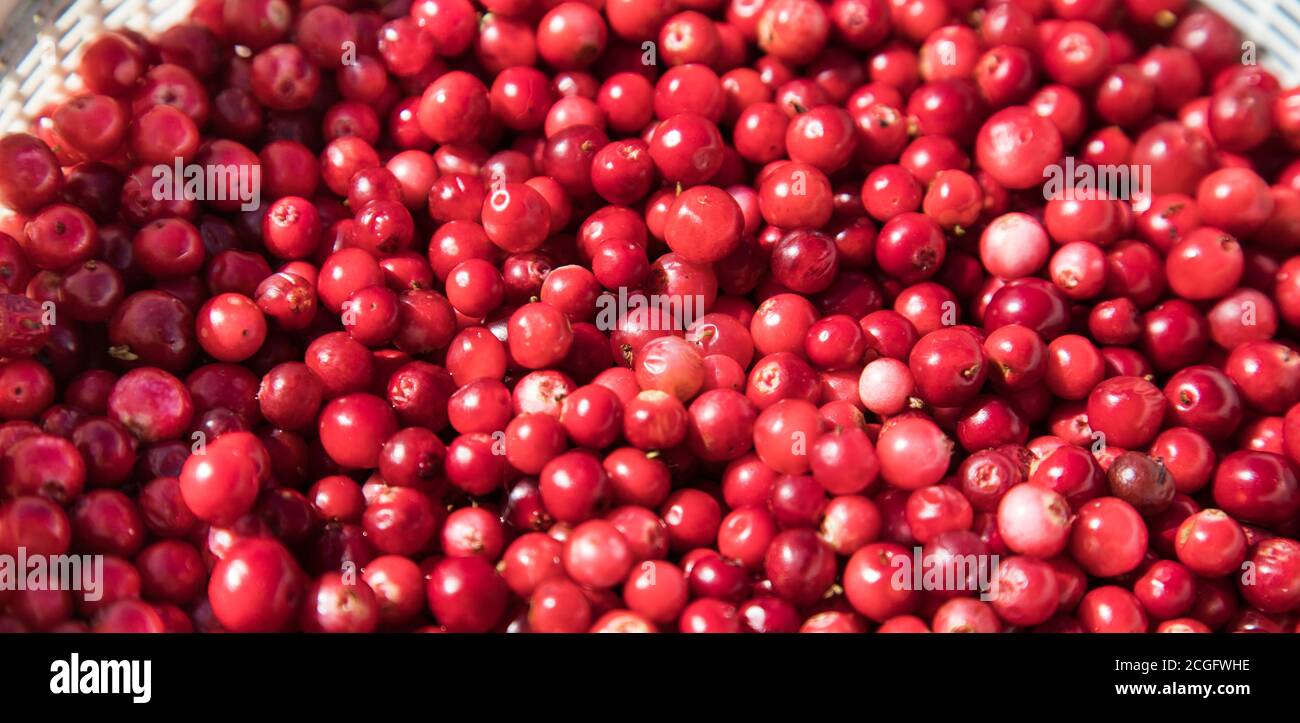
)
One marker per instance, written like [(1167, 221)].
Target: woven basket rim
[(20, 27)]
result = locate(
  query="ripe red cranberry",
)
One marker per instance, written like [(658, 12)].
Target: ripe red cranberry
[(868, 582), (532, 440), (692, 518), (43, 465), (1274, 588), (797, 501), (92, 292), (704, 224), (1025, 591), (568, 155), (800, 565), (572, 486), (473, 531), (289, 299), (26, 389), (1187, 455), (707, 615), (529, 560), (948, 366), (689, 37), (913, 452), (795, 195), (108, 449), (670, 364), (337, 498), (985, 477), (1112, 609), (1205, 399), (658, 590), (413, 457), (35, 179), (475, 463), (1015, 145), (932, 511), (782, 434), (1210, 543), (540, 335), (353, 429), (1204, 265), (558, 606), (466, 594), (453, 108), (382, 227), (849, 523), (482, 405), (572, 35), (400, 520), (163, 508), (60, 236), (371, 315), (230, 327), (151, 403), (1257, 487), (341, 363), (1128, 410), (596, 554), (910, 247), (844, 461), (721, 425), (256, 587), (1034, 521), (171, 571), (965, 615), (1109, 537), (333, 604), (1031, 302), (1014, 245), (290, 395), (37, 524), (1266, 373), (823, 137), (1166, 590)]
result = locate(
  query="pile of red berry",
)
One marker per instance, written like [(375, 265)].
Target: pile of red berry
[(675, 315)]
